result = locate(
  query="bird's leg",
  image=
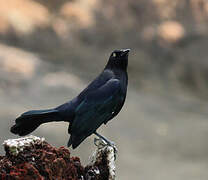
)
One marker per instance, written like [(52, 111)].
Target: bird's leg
[(110, 143)]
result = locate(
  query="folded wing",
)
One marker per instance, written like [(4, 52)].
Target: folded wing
[(95, 109)]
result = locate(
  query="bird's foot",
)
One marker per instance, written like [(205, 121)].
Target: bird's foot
[(101, 143)]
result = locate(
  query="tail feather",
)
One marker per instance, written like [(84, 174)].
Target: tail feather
[(30, 120)]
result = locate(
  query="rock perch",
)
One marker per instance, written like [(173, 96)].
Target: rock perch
[(33, 158)]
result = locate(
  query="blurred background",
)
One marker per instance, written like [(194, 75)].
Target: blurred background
[(50, 50)]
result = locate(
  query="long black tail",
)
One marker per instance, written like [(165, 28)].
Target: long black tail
[(30, 120)]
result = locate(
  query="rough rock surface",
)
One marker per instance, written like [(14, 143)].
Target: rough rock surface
[(102, 165), (33, 158)]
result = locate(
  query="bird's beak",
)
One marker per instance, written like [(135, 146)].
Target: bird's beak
[(125, 52)]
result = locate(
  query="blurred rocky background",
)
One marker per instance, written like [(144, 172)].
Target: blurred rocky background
[(50, 50)]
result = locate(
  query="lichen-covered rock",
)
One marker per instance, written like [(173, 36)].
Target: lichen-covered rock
[(102, 165), (33, 158)]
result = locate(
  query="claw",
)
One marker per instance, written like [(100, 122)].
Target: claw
[(101, 142)]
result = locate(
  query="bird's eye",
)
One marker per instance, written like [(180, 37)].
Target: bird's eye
[(114, 54)]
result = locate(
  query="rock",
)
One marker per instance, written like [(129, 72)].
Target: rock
[(102, 165), (33, 158)]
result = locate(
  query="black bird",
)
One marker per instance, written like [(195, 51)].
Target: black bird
[(98, 103)]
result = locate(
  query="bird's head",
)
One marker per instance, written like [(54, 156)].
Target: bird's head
[(118, 59)]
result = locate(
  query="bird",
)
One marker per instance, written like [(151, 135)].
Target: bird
[(97, 104)]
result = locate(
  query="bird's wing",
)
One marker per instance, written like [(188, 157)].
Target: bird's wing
[(101, 80), (95, 109)]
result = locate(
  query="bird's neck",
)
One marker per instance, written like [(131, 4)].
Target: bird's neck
[(121, 75)]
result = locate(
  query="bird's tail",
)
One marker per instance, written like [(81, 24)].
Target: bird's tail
[(30, 120)]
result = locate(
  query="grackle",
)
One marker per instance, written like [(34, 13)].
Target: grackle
[(98, 103)]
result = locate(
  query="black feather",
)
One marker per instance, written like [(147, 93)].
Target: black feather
[(30, 120), (98, 103)]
